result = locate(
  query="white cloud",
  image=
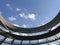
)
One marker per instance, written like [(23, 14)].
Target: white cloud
[(18, 9), (24, 26), (9, 6), (32, 16), (23, 15), (29, 16), (12, 18)]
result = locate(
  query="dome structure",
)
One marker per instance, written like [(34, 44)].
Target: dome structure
[(9, 35), (29, 22)]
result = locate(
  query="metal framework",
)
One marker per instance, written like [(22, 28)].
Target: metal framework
[(21, 39), (15, 37), (51, 33)]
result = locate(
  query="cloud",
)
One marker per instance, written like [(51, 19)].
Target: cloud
[(29, 16), (32, 16), (24, 26), (18, 9), (12, 18), (9, 6), (23, 15)]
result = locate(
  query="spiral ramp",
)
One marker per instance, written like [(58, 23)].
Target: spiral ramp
[(50, 38)]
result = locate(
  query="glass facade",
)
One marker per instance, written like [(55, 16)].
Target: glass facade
[(52, 40)]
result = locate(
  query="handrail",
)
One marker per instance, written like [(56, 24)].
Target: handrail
[(51, 33)]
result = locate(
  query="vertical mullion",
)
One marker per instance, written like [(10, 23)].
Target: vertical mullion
[(29, 42), (21, 42), (12, 42)]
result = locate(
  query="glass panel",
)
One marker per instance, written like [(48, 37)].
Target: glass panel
[(34, 42), (25, 42), (54, 43), (51, 38), (44, 44), (59, 40), (5, 44), (42, 40), (1, 38), (17, 42), (58, 35), (8, 40)]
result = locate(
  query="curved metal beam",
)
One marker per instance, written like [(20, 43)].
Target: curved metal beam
[(6, 34), (52, 23)]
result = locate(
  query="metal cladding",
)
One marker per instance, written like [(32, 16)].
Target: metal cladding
[(11, 27)]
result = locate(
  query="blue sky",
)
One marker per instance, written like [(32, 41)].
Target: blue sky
[(29, 13)]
